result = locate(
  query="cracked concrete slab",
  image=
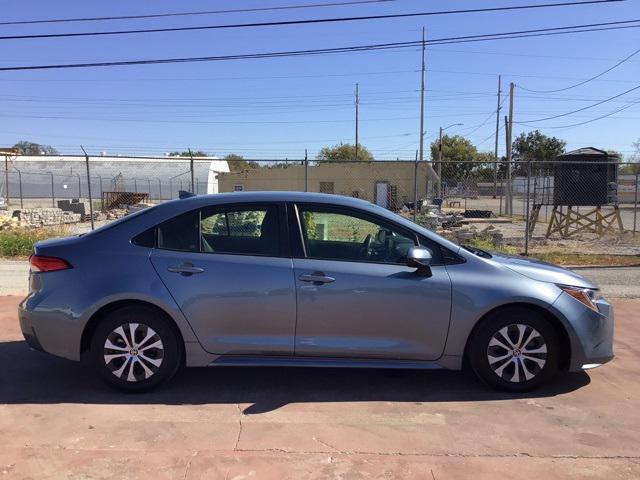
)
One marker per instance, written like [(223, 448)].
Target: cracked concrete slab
[(58, 421)]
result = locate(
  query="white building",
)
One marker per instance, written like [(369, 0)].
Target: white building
[(66, 176)]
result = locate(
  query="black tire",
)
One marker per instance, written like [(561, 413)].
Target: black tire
[(163, 360), (512, 376)]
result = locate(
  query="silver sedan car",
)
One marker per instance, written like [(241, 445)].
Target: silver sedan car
[(303, 279)]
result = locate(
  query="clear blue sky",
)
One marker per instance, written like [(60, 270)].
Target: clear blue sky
[(276, 108)]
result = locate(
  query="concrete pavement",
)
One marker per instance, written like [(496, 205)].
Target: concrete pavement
[(58, 421), (14, 277)]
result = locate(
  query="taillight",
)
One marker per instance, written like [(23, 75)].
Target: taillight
[(40, 263)]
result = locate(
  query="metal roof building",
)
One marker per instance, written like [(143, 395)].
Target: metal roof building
[(66, 176)]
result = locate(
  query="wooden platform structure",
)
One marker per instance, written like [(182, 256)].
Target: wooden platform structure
[(568, 221), (122, 199)]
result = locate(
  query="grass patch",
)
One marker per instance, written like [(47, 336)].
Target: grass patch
[(484, 242), (562, 258), (19, 242)]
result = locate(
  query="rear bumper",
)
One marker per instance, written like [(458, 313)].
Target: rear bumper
[(590, 333), (48, 330)]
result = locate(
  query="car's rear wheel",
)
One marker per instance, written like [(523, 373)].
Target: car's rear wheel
[(135, 349), (516, 349)]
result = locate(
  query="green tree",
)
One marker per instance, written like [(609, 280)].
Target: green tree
[(536, 147), (185, 153), (237, 163), (344, 152), (633, 165), (484, 171), (458, 154), (29, 148)]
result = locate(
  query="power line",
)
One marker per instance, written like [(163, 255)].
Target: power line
[(360, 48), (216, 122), (186, 14), (299, 22), (606, 115), (585, 81), (478, 127), (580, 109)]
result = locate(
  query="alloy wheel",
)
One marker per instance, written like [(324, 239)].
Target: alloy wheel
[(133, 352), (517, 353)]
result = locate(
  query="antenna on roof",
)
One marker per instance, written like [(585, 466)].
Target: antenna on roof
[(182, 194)]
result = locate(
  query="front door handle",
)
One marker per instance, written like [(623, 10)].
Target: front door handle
[(186, 269), (317, 278)]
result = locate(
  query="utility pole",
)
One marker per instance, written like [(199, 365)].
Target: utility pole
[(357, 105), (422, 108), (495, 151), (509, 205), (439, 189)]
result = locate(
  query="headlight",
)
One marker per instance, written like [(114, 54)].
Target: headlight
[(586, 296)]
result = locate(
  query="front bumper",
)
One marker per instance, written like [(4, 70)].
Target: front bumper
[(590, 333)]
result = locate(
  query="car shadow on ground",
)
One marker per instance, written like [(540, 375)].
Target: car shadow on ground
[(33, 377)]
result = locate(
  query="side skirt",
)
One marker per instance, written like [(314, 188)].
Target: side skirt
[(264, 361)]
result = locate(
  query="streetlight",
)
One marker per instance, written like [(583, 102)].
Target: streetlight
[(439, 170)]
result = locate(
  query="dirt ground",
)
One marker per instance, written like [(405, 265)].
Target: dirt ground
[(58, 421)]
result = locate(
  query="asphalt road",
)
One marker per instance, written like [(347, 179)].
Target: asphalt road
[(58, 421), (618, 282)]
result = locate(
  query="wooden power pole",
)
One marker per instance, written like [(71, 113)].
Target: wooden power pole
[(509, 203), (357, 106), (421, 157), (495, 151)]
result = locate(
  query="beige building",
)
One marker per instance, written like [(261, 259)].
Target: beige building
[(389, 184)]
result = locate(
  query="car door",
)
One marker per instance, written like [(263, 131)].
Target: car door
[(229, 269), (356, 297)]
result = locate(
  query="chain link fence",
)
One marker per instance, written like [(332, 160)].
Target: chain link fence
[(522, 207)]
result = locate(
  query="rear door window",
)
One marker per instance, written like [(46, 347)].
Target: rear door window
[(250, 230), (180, 233)]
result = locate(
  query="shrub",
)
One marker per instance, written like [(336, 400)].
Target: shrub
[(19, 242)]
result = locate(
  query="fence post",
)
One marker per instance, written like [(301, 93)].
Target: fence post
[(191, 170), (79, 186), (86, 159), (20, 188), (306, 171), (159, 189), (135, 185), (415, 189), (526, 233), (53, 200), (635, 205), (6, 176), (170, 188)]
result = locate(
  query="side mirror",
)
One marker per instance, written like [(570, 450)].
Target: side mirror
[(420, 259)]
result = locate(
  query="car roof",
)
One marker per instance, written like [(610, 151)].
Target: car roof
[(273, 196)]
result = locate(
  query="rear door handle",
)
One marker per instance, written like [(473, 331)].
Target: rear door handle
[(186, 269), (318, 278)]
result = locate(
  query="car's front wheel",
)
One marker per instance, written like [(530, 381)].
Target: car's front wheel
[(515, 349), (135, 349)]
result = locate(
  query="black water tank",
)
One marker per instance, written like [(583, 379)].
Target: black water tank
[(585, 177)]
